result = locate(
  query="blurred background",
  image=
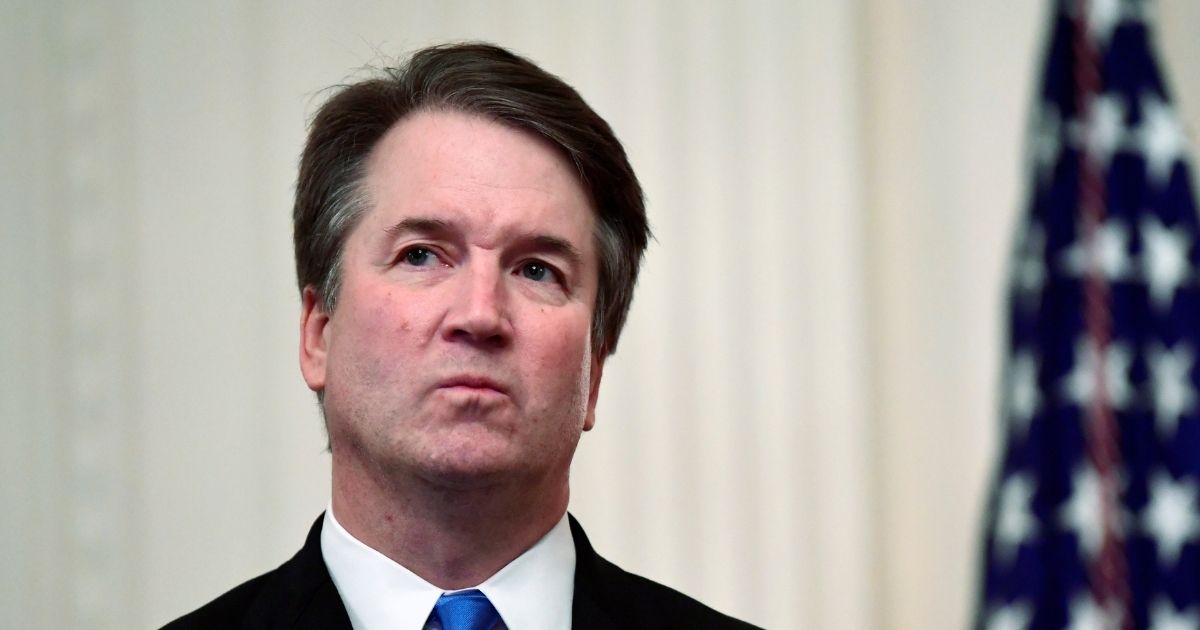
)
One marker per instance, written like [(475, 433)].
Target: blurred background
[(799, 425)]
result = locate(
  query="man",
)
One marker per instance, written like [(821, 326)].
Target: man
[(468, 234)]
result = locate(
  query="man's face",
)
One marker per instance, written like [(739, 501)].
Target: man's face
[(460, 351)]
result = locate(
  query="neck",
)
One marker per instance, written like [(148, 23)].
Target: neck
[(451, 535)]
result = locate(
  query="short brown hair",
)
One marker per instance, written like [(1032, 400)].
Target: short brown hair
[(479, 79)]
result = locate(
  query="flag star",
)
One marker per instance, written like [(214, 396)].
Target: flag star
[(1163, 616), (1171, 386), (1082, 511), (1171, 516), (1023, 397), (1115, 362), (1015, 524), (1102, 19), (1161, 138), (1009, 617), (1086, 614), (1029, 266), (1164, 259), (1104, 130), (1045, 141), (1138, 11), (1110, 257)]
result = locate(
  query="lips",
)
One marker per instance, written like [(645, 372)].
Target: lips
[(472, 382)]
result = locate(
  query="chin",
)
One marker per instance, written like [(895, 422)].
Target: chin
[(472, 465), (459, 475)]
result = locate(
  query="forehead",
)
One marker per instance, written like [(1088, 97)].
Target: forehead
[(479, 173)]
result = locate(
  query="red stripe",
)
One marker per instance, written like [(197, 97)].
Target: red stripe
[(1109, 574)]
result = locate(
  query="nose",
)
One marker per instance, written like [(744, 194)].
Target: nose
[(478, 314)]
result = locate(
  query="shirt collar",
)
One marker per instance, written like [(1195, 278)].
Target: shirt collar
[(532, 592)]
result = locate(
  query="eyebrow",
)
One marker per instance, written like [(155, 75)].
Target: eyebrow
[(538, 242), (554, 245), (418, 225)]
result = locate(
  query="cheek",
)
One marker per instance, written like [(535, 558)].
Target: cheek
[(386, 317), (369, 339), (560, 341), (563, 364)]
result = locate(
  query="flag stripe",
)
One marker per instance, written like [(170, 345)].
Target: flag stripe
[(1109, 585)]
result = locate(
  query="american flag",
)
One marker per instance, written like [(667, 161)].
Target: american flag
[(1094, 519)]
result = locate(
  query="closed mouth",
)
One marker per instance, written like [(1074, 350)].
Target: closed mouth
[(472, 382)]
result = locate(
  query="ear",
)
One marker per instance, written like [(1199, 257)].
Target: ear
[(594, 391), (313, 325)]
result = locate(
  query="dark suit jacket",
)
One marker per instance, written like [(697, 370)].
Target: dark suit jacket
[(300, 594)]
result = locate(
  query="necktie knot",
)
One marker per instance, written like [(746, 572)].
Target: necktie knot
[(465, 610)]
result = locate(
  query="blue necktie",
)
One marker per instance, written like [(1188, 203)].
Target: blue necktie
[(465, 610)]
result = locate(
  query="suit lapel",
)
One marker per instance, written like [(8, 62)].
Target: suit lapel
[(323, 610), (592, 600), (301, 594)]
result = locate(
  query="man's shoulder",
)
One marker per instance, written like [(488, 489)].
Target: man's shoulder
[(228, 610), (299, 593), (648, 600), (608, 596)]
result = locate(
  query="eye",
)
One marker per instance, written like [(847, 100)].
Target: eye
[(536, 271), (419, 257)]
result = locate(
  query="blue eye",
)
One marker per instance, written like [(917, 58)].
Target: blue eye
[(536, 271), (418, 257)]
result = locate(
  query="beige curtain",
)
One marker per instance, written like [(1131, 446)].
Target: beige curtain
[(798, 427)]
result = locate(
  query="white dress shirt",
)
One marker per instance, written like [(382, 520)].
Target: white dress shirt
[(533, 592)]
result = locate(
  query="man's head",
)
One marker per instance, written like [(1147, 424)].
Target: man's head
[(492, 83), (468, 234)]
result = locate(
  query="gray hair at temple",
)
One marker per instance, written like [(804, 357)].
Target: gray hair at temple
[(479, 79)]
